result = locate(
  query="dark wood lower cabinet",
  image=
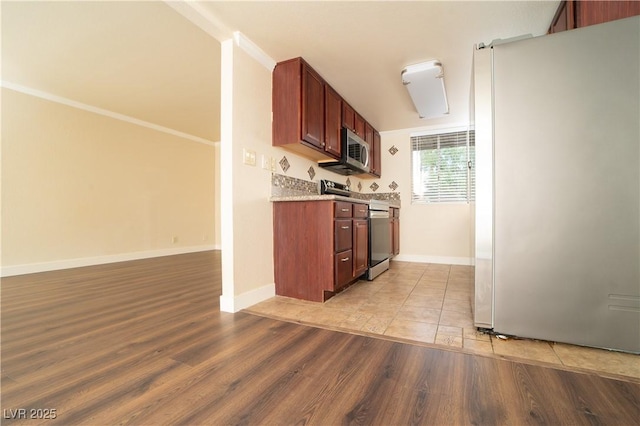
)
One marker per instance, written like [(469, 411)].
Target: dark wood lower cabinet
[(343, 269), (360, 246), (342, 229), (320, 247), (394, 230)]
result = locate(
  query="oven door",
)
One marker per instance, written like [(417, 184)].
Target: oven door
[(379, 243)]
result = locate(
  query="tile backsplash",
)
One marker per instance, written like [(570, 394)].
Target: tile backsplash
[(287, 186)]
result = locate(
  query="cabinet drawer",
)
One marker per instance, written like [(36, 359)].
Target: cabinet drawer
[(343, 269), (343, 232), (360, 210), (343, 209)]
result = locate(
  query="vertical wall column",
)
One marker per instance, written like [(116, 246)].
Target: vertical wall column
[(245, 211), (226, 176)]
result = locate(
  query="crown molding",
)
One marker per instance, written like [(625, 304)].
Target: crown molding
[(253, 50), (202, 18), (115, 115)]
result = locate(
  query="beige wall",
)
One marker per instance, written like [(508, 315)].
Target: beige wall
[(78, 185), (245, 213), (438, 233), (216, 197)]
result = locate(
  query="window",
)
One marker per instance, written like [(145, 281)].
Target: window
[(442, 167)]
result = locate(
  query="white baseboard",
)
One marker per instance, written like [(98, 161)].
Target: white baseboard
[(435, 259), (55, 265), (237, 303)]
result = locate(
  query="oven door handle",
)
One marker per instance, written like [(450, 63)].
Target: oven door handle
[(374, 214)]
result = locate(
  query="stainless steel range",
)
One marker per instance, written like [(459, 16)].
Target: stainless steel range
[(379, 238), (379, 232)]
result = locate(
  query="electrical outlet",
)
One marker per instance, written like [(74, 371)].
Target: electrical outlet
[(174, 239), (249, 157)]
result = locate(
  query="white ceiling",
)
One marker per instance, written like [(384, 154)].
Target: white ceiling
[(141, 59), (145, 60)]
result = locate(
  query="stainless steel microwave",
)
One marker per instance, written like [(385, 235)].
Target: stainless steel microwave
[(355, 155)]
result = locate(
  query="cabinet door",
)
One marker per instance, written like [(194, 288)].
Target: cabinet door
[(598, 12), (360, 246), (564, 18), (368, 133), (343, 269), (312, 107), (359, 126), (348, 117), (376, 155), (395, 242), (333, 121), (343, 234), (577, 14)]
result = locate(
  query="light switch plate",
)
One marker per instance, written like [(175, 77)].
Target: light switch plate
[(249, 157), (269, 163)]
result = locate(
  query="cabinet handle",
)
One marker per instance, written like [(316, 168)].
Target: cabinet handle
[(344, 227), (346, 259), (344, 210)]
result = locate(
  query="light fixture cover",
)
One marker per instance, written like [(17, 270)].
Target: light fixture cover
[(425, 83)]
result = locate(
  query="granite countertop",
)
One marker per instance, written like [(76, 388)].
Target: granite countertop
[(327, 197)]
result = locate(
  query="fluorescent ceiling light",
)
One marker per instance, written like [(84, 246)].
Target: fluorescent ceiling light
[(425, 83)]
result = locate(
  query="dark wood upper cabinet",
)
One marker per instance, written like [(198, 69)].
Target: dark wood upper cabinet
[(372, 137), (298, 105), (308, 114), (376, 155), (348, 117), (573, 14), (333, 121), (312, 107), (563, 19), (597, 12), (359, 126), (368, 133)]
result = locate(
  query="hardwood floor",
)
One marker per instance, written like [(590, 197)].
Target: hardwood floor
[(144, 342)]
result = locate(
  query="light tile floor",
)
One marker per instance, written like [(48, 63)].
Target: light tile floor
[(431, 304)]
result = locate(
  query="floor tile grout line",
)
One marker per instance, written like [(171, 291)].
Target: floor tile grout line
[(442, 309), (405, 300)]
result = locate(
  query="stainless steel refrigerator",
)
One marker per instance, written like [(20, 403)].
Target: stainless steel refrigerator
[(557, 121)]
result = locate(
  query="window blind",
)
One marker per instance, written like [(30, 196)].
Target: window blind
[(443, 167)]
